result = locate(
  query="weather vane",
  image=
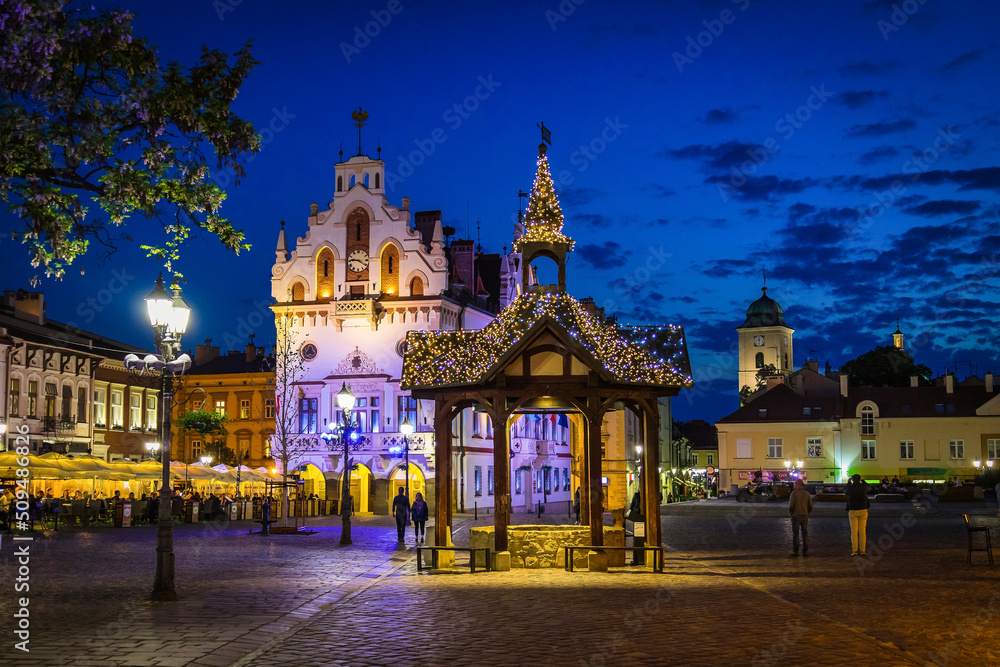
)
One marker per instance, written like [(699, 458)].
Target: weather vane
[(359, 116), (546, 134)]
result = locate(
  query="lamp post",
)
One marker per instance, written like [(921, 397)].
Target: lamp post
[(406, 428), (168, 315), (345, 401)]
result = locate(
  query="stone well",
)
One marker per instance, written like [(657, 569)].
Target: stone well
[(541, 546)]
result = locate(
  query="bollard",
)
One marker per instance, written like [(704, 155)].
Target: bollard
[(569, 509), (475, 508), (539, 509)]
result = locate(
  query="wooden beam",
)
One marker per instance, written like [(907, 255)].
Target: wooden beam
[(442, 477), (596, 491), (501, 481), (651, 472)]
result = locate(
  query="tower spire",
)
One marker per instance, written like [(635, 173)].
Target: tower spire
[(360, 117)]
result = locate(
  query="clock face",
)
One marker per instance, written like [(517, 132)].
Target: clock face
[(758, 341), (357, 261)]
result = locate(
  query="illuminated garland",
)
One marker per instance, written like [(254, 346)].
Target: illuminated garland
[(543, 219), (636, 355)]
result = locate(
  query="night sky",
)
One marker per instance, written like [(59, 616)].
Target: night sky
[(848, 148)]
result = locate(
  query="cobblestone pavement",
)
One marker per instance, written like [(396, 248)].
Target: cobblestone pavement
[(730, 595)]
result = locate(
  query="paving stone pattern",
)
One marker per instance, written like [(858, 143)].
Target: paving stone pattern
[(730, 594)]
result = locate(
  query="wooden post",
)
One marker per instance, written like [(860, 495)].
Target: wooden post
[(442, 476), (596, 491), (651, 472), (501, 482), (583, 479)]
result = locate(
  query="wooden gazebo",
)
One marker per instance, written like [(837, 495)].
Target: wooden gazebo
[(546, 352)]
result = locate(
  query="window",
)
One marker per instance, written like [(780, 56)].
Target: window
[(307, 415), (774, 448), (517, 481), (220, 407), (268, 408), (67, 403), (151, 411), (906, 449), (710, 459), (244, 408), (814, 448), (32, 398), (196, 449), (817, 411), (81, 405), (742, 448), (376, 424), (867, 421), (993, 449), (477, 481), (15, 397), (868, 450), (548, 480), (489, 480), (50, 400), (759, 360), (806, 411), (117, 418), (242, 448), (476, 428), (406, 408), (565, 479), (762, 413), (957, 449), (135, 412), (100, 414)]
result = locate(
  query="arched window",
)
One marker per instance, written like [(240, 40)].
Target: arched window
[(760, 360), (867, 420), (352, 181), (324, 274), (359, 232), (298, 292), (340, 183), (416, 286), (390, 275), (366, 180), (376, 180)]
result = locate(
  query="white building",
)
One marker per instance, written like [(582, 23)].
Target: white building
[(364, 273)]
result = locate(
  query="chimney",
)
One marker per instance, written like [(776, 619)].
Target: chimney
[(914, 380), (774, 381), (251, 352), (205, 353), (28, 306), (813, 365), (799, 382), (463, 262), (425, 223), (843, 385), (949, 383), (989, 383)]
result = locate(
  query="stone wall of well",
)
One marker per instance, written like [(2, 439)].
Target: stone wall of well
[(542, 546)]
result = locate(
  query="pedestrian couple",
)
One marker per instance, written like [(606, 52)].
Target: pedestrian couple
[(800, 504), (404, 512)]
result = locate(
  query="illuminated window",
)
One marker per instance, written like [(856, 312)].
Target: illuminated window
[(517, 481), (151, 411), (993, 449), (116, 408), (814, 448), (244, 408), (220, 407), (307, 415), (32, 398), (565, 479), (100, 416), (489, 480), (135, 411), (906, 449), (957, 449), (324, 274), (868, 450), (15, 397), (478, 481), (867, 420), (390, 276)]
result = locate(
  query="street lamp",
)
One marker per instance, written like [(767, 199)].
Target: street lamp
[(345, 401), (406, 428), (168, 315)]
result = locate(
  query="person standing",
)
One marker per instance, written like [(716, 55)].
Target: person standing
[(857, 513), (401, 510), (576, 504), (419, 514), (636, 516), (800, 504)]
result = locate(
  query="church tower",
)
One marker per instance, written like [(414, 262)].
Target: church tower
[(764, 338), (897, 337)]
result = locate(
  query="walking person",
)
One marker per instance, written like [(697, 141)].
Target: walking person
[(857, 513), (576, 504), (800, 504), (401, 510), (419, 514)]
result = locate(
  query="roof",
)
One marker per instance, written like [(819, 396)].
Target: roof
[(58, 334), (634, 355), (233, 364), (764, 312), (781, 404), (699, 433)]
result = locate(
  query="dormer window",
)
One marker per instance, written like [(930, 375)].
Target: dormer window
[(762, 413)]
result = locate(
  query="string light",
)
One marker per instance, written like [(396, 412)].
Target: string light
[(543, 219)]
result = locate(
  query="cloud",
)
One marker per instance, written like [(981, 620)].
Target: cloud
[(608, 255), (719, 156), (858, 98), (944, 207), (878, 154), (882, 129), (575, 197), (869, 68), (723, 116), (592, 220), (964, 60), (658, 190), (762, 188)]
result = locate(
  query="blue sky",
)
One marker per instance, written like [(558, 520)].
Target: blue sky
[(848, 148)]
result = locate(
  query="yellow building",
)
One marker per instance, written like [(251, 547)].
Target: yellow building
[(911, 433), (239, 384)]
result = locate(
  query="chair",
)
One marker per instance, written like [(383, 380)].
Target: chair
[(970, 529)]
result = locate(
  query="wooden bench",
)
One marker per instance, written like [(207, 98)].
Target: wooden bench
[(472, 551), (657, 562)]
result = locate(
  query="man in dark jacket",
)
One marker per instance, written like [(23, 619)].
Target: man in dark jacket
[(401, 510), (800, 504), (857, 513)]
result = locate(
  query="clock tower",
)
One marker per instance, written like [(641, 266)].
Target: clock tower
[(764, 338)]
